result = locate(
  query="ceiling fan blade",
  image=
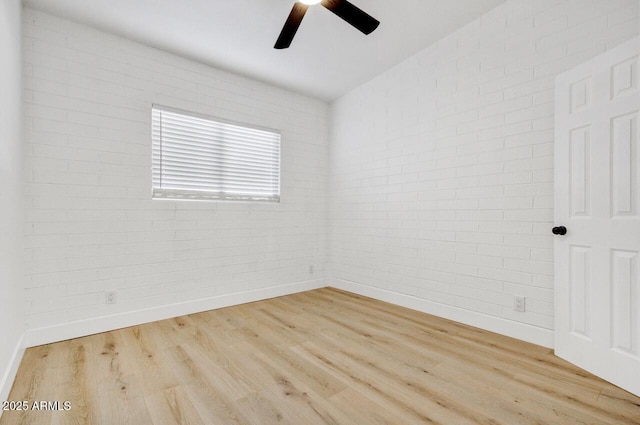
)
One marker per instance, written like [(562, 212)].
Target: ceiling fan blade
[(291, 26), (353, 15)]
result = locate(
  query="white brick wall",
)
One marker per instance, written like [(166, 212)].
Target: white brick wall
[(441, 171), (11, 212), (441, 167), (90, 223)]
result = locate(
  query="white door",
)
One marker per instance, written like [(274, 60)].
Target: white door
[(597, 199)]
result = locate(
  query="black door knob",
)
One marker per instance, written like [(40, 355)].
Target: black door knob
[(560, 230)]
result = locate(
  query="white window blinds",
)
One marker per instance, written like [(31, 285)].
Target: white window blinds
[(198, 157)]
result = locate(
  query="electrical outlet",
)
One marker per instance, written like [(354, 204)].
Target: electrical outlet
[(519, 304), (110, 297), (311, 269)]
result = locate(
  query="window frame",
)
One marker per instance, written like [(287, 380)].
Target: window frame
[(160, 193)]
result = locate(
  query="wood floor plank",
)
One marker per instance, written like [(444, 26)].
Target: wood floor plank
[(426, 401), (320, 357), (145, 354), (260, 410), (361, 410), (614, 399), (78, 383), (172, 406), (277, 353)]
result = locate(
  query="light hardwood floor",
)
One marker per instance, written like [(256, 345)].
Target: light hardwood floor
[(320, 357)]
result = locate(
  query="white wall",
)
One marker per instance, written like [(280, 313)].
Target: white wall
[(441, 177), (11, 190), (91, 225), (442, 167)]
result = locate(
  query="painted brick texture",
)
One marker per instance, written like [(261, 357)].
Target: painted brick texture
[(91, 225), (437, 174), (442, 167)]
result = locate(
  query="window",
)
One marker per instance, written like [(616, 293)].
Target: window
[(199, 157)]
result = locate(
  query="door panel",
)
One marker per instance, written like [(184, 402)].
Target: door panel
[(624, 298), (579, 147), (624, 187), (580, 282)]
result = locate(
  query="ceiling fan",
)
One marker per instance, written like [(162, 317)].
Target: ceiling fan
[(344, 9)]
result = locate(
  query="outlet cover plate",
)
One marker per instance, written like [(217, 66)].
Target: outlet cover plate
[(110, 297), (519, 303)]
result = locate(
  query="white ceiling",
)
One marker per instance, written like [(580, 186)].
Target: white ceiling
[(327, 58)]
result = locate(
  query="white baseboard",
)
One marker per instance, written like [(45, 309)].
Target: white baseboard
[(12, 369), (522, 331), (64, 331)]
